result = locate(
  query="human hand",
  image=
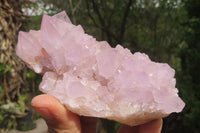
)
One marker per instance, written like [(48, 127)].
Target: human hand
[(60, 120)]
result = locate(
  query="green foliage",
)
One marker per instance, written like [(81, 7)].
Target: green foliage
[(7, 118), (9, 111), (36, 79), (1, 91), (4, 68), (21, 104), (110, 126), (176, 63), (31, 75), (35, 22)]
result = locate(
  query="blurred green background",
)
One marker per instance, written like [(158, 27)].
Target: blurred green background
[(167, 30)]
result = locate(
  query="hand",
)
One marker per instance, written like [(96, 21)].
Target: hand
[(60, 120)]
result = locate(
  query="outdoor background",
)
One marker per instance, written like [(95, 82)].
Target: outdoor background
[(167, 30)]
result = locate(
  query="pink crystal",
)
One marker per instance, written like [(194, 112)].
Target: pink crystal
[(93, 79)]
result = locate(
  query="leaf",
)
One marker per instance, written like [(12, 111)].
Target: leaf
[(7, 69), (31, 75), (2, 66), (4, 69)]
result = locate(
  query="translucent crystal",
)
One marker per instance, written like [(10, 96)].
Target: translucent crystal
[(93, 79)]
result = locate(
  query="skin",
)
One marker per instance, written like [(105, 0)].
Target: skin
[(60, 120)]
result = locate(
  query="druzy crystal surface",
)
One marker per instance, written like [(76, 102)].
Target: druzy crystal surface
[(93, 79)]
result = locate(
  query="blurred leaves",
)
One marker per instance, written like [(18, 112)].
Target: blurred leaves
[(4, 68), (31, 75), (110, 126), (10, 110)]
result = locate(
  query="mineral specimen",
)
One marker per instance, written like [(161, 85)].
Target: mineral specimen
[(93, 79)]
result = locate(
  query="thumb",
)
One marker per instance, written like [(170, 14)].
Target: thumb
[(57, 117)]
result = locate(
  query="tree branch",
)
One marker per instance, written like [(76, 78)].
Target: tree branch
[(96, 9), (124, 21)]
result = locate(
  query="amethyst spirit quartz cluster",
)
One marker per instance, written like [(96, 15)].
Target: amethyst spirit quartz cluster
[(93, 79)]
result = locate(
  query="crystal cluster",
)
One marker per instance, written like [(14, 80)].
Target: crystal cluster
[(93, 79)]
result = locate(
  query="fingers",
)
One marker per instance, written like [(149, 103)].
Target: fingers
[(88, 124), (128, 129), (154, 126), (57, 117)]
